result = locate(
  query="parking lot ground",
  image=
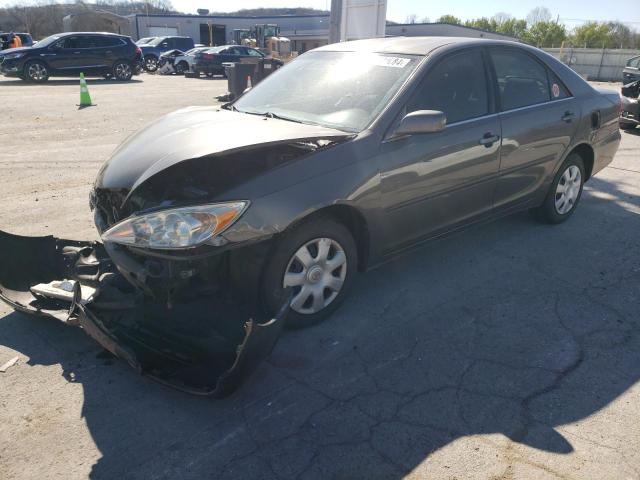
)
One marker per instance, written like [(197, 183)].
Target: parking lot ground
[(509, 351)]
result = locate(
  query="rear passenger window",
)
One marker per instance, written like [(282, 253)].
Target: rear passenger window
[(558, 90), (456, 86), (521, 79)]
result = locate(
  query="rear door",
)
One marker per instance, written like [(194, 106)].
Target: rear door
[(109, 49), (435, 181), (538, 117)]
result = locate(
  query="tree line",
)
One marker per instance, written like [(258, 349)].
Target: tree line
[(541, 30)]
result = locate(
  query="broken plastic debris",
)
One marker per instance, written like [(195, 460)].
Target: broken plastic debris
[(9, 364), (64, 290)]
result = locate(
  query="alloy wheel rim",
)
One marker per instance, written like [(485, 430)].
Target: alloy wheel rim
[(37, 72), (316, 272), (123, 70), (150, 63), (568, 190)]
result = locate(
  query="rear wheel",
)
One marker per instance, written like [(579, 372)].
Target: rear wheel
[(317, 260), (150, 63), (36, 72), (122, 71), (564, 193)]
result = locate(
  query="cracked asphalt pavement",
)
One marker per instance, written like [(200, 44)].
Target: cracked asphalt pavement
[(511, 350)]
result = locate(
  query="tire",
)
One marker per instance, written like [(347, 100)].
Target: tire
[(564, 193), (182, 67), (627, 126), (122, 71), (36, 71), (150, 63), (326, 287)]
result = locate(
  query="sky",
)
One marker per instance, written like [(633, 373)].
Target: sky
[(571, 12)]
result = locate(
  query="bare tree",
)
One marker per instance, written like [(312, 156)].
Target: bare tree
[(412, 18), (501, 17), (537, 15)]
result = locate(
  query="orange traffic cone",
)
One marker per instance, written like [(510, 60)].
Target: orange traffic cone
[(249, 85)]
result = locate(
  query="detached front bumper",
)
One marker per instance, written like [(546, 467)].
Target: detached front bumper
[(205, 346)]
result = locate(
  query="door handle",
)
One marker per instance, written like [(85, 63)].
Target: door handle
[(568, 116), (76, 53), (489, 139), (109, 52)]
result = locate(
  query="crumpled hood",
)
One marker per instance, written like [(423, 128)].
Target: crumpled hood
[(196, 132)]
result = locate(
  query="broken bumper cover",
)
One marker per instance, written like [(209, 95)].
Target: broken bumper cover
[(205, 346)]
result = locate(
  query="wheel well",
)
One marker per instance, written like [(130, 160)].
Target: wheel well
[(351, 218), (586, 153)]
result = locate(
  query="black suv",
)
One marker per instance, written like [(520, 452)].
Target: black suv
[(68, 54), (151, 51)]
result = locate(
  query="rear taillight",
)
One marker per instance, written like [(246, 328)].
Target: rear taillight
[(138, 51)]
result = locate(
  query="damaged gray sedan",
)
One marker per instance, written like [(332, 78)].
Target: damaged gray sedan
[(267, 207)]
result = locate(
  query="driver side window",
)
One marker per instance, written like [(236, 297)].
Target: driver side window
[(456, 86)]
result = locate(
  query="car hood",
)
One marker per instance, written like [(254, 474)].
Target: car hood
[(196, 132), (9, 51)]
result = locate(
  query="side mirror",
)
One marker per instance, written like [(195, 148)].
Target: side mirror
[(421, 121), (164, 44)]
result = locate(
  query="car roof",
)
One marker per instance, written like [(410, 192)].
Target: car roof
[(406, 45), (109, 34)]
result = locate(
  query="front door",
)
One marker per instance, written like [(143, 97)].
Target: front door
[(71, 55), (433, 182)]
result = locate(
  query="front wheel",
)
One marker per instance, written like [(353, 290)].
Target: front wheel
[(36, 72), (317, 260), (565, 192), (182, 67), (122, 71)]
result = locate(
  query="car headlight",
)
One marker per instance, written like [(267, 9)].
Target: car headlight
[(14, 56), (176, 228)]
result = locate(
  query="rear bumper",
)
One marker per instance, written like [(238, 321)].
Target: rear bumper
[(186, 346)]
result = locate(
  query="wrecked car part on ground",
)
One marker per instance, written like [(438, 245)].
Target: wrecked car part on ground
[(203, 346)]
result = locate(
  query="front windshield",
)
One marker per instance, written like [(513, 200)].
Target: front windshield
[(156, 41), (342, 90), (48, 40)]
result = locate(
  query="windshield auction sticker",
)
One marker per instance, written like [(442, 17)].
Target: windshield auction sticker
[(396, 62)]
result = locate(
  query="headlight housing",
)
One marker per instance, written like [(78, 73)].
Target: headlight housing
[(176, 228), (14, 56)]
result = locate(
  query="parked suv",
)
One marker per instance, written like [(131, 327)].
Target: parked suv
[(64, 54), (151, 51), (26, 39)]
